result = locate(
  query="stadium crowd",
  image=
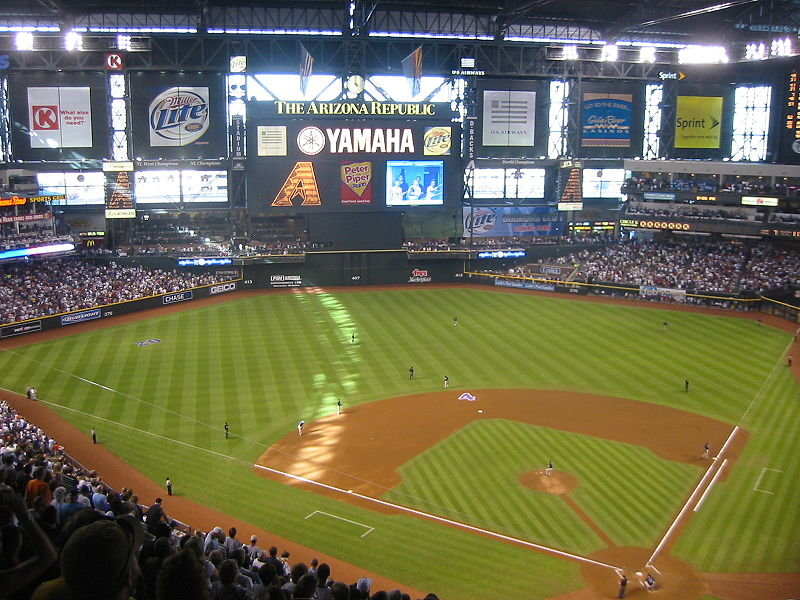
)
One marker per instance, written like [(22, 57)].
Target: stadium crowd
[(65, 535), (688, 211), (39, 288), (712, 267)]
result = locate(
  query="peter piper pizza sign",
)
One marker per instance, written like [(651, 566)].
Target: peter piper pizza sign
[(356, 182)]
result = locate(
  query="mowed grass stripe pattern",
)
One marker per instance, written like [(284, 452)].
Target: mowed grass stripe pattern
[(627, 491), (263, 363), (742, 526)]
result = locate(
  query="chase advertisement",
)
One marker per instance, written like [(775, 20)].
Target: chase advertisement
[(58, 117), (178, 115), (506, 221), (350, 155), (607, 120)]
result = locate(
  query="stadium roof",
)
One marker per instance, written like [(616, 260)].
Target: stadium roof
[(678, 21)]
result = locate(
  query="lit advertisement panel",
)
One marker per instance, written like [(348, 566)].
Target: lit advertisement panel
[(347, 155), (79, 188), (414, 182), (180, 186)]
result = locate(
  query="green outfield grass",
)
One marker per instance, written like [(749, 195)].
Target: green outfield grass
[(263, 363)]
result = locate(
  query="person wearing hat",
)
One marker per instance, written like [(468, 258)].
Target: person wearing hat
[(99, 562), (253, 548)]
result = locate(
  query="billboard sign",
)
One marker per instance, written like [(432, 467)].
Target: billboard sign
[(698, 122), (607, 120), (506, 221), (178, 115)]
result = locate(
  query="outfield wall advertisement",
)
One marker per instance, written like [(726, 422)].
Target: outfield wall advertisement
[(507, 221), (351, 155)]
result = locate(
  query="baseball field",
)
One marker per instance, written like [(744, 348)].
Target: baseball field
[(444, 489)]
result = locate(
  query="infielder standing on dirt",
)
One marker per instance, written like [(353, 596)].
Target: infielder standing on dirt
[(300, 426)]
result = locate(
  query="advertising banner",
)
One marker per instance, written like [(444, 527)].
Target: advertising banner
[(58, 116), (607, 120), (698, 122), (505, 221), (509, 117), (178, 115), (789, 148), (351, 155), (356, 183)]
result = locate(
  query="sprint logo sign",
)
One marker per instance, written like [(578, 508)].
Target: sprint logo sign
[(698, 121)]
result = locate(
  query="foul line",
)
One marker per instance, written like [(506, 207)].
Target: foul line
[(760, 476), (719, 455), (445, 520), (710, 485), (320, 512), (700, 486)]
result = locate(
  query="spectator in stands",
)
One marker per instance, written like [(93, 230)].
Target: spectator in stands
[(226, 588), (98, 561), (182, 578), (155, 515), (18, 575)]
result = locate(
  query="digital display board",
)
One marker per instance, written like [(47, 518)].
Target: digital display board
[(759, 201), (180, 186), (414, 182), (351, 155), (78, 188)]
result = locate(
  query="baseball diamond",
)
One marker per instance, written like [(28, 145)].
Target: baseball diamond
[(592, 386)]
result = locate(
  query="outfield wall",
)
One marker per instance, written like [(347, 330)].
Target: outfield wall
[(119, 308)]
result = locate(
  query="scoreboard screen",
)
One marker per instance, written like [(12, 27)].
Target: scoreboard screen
[(351, 155), (414, 182)]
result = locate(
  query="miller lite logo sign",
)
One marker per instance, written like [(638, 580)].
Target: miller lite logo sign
[(60, 117), (179, 116), (480, 220)]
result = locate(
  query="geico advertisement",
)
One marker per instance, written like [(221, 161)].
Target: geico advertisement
[(698, 121)]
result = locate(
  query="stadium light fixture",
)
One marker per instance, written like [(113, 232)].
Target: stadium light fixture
[(755, 51), (647, 54), (609, 53), (699, 55), (123, 42), (24, 40), (73, 41), (570, 52)]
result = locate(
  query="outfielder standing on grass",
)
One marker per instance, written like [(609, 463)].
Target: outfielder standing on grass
[(411, 372), (227, 430), (339, 407)]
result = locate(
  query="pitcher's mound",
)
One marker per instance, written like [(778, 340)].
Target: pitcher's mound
[(557, 483)]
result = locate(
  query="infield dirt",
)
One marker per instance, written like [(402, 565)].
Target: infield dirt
[(609, 418)]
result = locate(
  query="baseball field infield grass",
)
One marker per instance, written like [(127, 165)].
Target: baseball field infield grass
[(263, 363)]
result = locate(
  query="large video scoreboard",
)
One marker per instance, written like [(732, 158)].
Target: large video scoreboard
[(352, 156)]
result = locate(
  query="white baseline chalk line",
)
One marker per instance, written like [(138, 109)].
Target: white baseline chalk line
[(760, 477), (689, 502), (710, 485), (445, 520), (321, 512)]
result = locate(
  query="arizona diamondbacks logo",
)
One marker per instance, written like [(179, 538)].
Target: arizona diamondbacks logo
[(179, 116)]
